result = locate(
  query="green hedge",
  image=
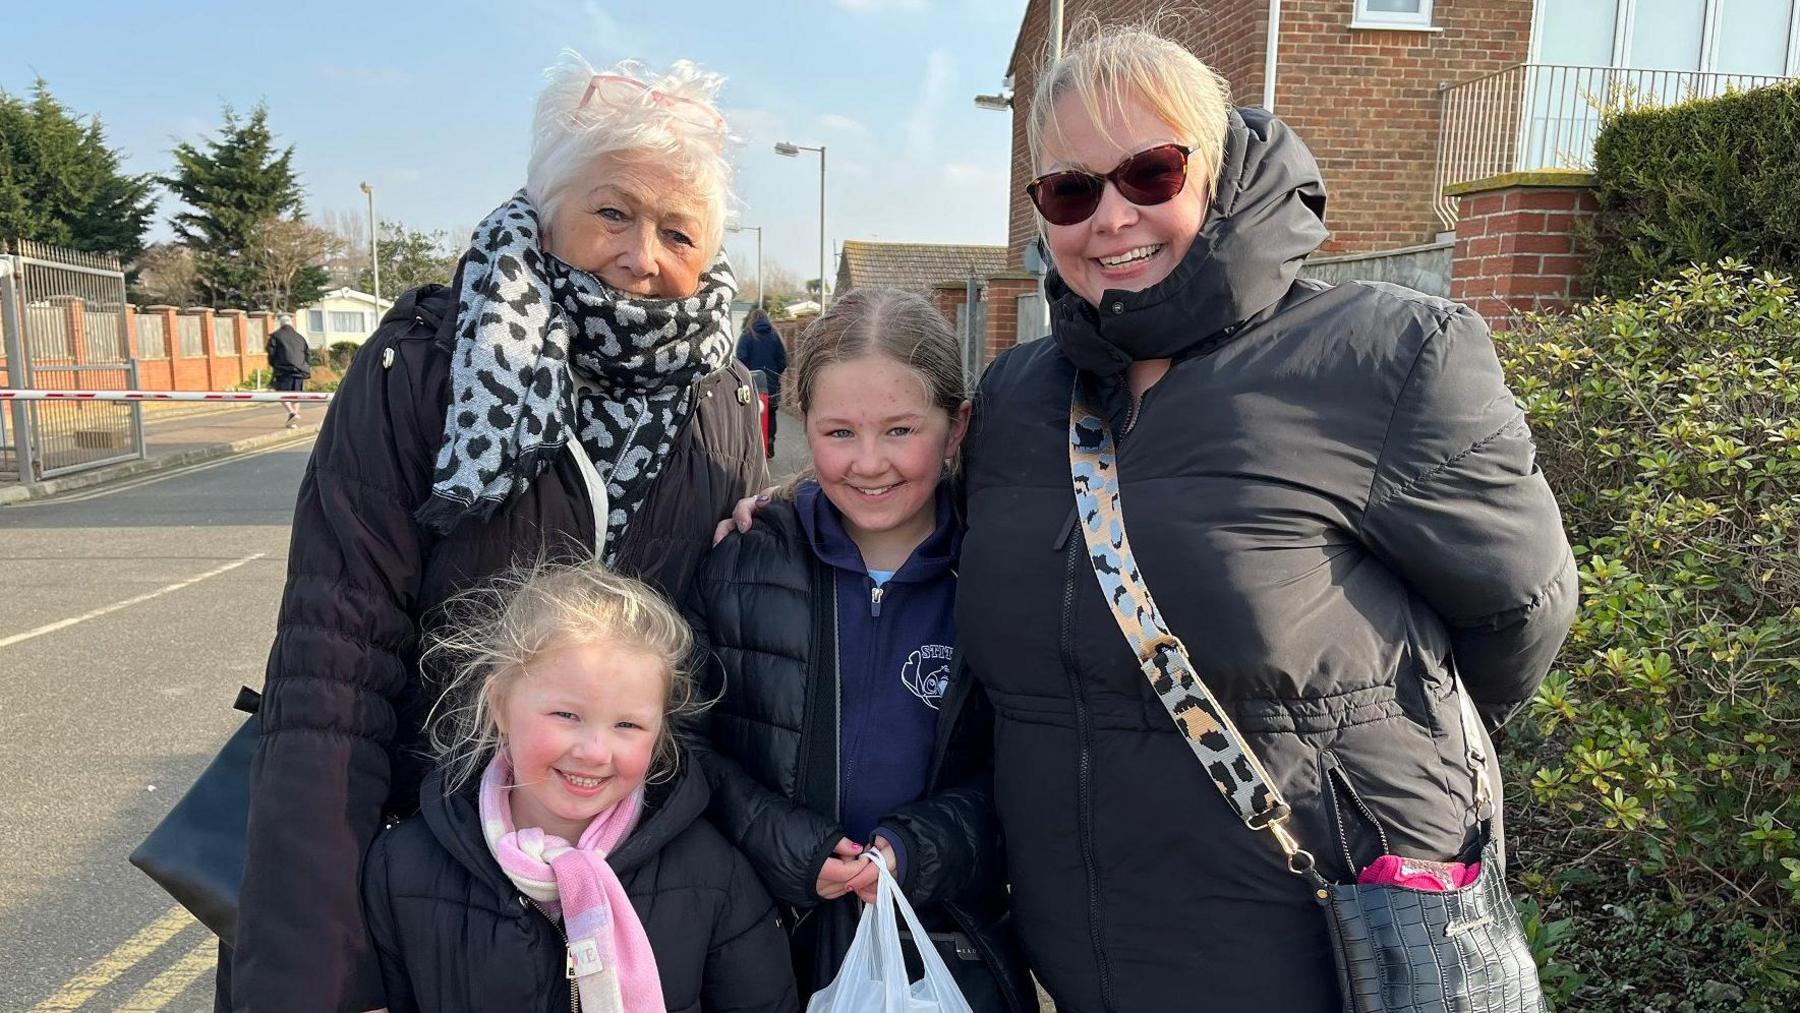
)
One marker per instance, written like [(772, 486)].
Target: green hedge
[(1653, 799), (1696, 183)]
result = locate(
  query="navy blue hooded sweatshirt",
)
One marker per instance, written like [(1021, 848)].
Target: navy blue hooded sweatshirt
[(894, 647)]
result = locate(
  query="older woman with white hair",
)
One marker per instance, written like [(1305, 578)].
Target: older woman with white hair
[(1332, 495), (572, 393)]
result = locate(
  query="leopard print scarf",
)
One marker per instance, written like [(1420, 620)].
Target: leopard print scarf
[(524, 320)]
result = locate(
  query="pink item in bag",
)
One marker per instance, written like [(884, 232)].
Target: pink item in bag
[(1419, 874)]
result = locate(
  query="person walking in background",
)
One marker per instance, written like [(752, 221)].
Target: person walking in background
[(760, 347), (288, 365)]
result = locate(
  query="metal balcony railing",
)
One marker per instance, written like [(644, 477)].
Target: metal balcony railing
[(1545, 116)]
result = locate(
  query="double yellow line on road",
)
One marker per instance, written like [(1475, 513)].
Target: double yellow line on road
[(161, 990)]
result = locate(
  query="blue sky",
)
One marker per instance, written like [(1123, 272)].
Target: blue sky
[(431, 102)]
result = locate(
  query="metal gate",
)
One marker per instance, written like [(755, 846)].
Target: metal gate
[(971, 327), (63, 314)]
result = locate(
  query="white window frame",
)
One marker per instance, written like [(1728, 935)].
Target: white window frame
[(1625, 23), (1393, 21)]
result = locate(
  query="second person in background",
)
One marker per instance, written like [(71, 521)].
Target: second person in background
[(842, 721)]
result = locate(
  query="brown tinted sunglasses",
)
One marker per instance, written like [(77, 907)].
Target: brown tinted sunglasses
[(1153, 176)]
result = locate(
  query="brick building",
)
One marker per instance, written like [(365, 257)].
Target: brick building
[(1364, 94), (1420, 109)]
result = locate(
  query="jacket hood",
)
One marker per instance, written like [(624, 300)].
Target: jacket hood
[(1268, 215), (455, 820), (824, 528), (763, 329)]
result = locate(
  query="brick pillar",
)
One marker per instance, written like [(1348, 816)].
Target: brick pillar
[(131, 341), (171, 341), (213, 366), (261, 325), (1003, 292), (1517, 250), (240, 321), (947, 297), (75, 325)]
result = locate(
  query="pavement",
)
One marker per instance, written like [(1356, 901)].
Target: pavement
[(130, 613), (183, 435), (135, 602)]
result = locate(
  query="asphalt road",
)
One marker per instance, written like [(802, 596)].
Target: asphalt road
[(129, 615)]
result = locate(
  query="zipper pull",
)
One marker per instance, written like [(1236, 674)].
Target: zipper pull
[(569, 963), (875, 594)]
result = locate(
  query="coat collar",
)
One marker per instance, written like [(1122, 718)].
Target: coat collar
[(824, 528)]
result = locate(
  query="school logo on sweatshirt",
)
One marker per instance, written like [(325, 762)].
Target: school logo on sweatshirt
[(927, 673)]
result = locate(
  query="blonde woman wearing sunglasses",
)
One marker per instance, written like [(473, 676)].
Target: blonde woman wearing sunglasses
[(1332, 495), (570, 393)]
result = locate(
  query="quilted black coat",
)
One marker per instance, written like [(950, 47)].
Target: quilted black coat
[(454, 934), (764, 607), (1334, 500), (344, 699)]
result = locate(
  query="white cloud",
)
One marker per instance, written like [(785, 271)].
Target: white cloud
[(833, 121), (934, 93)]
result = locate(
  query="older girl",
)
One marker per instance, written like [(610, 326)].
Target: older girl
[(571, 393), (560, 848), (843, 721)]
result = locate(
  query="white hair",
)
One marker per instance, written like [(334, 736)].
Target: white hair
[(673, 122)]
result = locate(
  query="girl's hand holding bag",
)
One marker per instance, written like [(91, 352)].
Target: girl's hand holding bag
[(873, 977)]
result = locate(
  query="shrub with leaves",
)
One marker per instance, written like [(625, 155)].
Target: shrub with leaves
[(1653, 779), (1695, 182)]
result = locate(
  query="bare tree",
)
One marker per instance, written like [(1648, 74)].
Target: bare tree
[(285, 252), (352, 258), (166, 275)]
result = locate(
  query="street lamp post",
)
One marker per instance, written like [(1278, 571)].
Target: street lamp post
[(759, 275), (793, 151), (374, 261)]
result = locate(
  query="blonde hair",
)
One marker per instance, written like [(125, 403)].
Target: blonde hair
[(672, 122), (490, 633), (900, 325), (1105, 67)]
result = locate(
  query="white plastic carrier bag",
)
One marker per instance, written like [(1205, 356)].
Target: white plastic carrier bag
[(873, 976)]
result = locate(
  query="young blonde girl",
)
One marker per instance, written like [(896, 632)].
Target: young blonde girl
[(560, 856), (842, 722)]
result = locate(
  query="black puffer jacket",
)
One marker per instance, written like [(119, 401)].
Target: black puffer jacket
[(1333, 498), (770, 745), (454, 934), (344, 700)]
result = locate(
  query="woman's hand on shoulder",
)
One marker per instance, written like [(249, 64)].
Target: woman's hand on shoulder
[(743, 514)]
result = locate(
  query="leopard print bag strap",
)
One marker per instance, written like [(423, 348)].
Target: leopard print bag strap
[(1228, 760)]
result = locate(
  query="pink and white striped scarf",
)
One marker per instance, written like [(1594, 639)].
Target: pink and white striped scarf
[(609, 954)]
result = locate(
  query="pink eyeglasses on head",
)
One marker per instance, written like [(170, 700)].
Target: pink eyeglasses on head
[(618, 91)]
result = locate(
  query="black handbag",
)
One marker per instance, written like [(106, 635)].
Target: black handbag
[(1398, 950), (197, 852)]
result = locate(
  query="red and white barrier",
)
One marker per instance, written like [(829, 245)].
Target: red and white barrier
[(11, 394)]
